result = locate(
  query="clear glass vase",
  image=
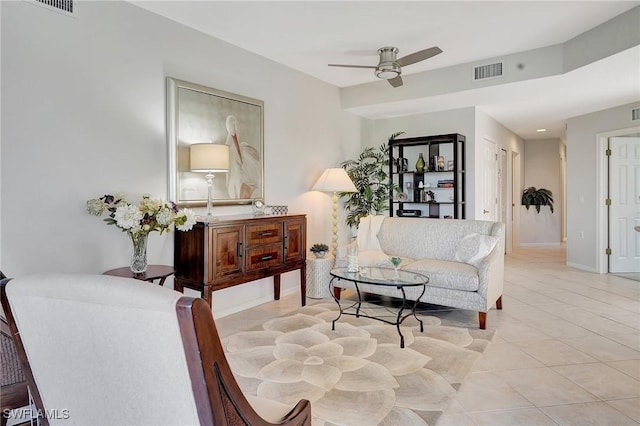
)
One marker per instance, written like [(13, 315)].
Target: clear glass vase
[(139, 253), (352, 257)]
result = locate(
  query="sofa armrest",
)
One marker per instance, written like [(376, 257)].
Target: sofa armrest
[(491, 274)]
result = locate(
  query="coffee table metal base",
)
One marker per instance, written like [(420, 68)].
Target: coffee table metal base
[(358, 305)]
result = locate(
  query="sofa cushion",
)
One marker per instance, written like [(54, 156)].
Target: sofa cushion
[(446, 274), (475, 247), (427, 239)]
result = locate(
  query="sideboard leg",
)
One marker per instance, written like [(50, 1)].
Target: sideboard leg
[(276, 287), (207, 294)]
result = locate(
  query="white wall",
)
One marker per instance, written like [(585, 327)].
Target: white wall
[(83, 108), (488, 128), (582, 182), (542, 169)]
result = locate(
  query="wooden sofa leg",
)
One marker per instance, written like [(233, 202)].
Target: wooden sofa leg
[(482, 318), (499, 303), (336, 292)]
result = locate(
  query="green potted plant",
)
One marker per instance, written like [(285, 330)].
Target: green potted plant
[(370, 174), (537, 197), (319, 250)]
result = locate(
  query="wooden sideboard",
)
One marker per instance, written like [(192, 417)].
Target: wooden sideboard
[(231, 250)]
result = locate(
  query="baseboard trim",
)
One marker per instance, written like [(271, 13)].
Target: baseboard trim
[(582, 267), (254, 302)]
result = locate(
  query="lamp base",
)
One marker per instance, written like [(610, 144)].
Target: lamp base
[(209, 177)]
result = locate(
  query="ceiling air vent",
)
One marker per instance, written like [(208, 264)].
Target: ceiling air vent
[(63, 6), (484, 72), (635, 114)]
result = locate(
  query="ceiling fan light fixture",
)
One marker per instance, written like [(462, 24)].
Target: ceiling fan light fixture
[(388, 71)]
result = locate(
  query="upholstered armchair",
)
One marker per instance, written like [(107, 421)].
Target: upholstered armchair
[(105, 350)]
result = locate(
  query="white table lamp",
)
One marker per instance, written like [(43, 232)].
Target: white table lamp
[(335, 180), (209, 158)]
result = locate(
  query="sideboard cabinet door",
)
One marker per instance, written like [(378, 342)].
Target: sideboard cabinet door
[(227, 251), (295, 240)]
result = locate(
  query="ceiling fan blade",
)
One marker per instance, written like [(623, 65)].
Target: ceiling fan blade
[(418, 56), (353, 66), (396, 81)]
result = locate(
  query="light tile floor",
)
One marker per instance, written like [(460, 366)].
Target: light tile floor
[(566, 350)]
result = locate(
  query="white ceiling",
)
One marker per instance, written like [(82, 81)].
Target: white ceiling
[(308, 35)]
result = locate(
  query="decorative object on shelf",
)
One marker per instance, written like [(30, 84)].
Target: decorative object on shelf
[(152, 215), (432, 197), (402, 197), (370, 174), (403, 165), (440, 163), (319, 250), (209, 158), (537, 197), (335, 180), (277, 210), (450, 165), (258, 207), (420, 164)]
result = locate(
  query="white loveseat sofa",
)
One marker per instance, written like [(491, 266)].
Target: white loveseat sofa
[(464, 259)]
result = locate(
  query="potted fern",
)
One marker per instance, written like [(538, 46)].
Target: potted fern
[(537, 197)]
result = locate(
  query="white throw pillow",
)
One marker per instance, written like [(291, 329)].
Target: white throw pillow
[(474, 247), (368, 232)]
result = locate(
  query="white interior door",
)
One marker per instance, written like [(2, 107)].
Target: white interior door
[(490, 181), (624, 211)]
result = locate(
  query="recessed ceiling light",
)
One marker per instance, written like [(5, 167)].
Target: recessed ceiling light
[(541, 130)]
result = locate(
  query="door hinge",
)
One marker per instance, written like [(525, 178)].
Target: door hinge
[(608, 152), (607, 201), (607, 251)]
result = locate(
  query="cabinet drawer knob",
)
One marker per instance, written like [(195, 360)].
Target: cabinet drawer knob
[(266, 234), (267, 257), (239, 253)]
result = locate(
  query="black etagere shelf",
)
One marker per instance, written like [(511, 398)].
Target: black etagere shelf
[(436, 191)]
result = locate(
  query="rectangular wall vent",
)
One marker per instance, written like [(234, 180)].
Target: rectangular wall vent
[(635, 114), (64, 6), (484, 72)]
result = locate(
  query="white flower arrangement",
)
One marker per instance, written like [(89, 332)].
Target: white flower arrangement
[(151, 215)]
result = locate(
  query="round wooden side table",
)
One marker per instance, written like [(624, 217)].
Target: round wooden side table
[(318, 276), (153, 272)]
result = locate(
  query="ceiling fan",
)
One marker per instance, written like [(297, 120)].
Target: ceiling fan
[(389, 68)]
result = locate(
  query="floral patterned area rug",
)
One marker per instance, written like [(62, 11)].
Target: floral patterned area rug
[(358, 374)]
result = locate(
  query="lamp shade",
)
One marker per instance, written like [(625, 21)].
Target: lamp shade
[(335, 180), (209, 157)]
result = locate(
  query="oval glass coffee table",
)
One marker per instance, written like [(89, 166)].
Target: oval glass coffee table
[(387, 277)]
